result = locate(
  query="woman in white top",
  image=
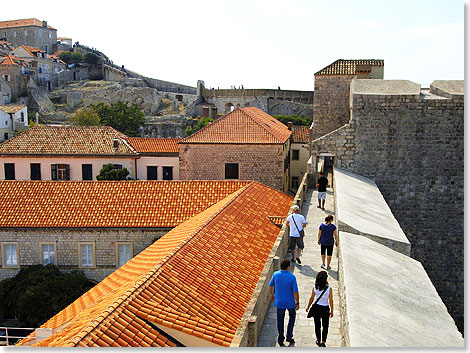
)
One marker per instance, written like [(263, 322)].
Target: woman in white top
[(320, 310)]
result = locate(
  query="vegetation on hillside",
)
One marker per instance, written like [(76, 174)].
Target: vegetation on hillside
[(121, 116), (110, 172), (296, 120), (39, 292), (85, 117), (71, 57), (200, 124)]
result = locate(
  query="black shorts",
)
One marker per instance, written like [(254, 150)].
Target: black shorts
[(328, 249)]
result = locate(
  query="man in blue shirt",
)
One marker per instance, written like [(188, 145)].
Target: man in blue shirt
[(284, 292)]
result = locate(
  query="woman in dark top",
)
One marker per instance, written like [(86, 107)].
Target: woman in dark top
[(326, 232), (322, 309)]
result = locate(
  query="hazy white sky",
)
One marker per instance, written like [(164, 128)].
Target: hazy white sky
[(261, 43)]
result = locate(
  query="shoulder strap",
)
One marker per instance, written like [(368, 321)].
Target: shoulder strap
[(293, 219), (321, 295)]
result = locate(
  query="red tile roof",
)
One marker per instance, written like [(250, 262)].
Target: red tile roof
[(154, 145), (11, 60), (242, 126), (67, 140), (31, 50), (127, 203), (22, 23), (197, 279), (347, 67), (300, 134), (11, 108)]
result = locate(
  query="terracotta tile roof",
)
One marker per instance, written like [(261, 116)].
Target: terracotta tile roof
[(31, 50), (11, 109), (22, 23), (11, 60), (67, 140), (244, 125), (154, 145), (196, 279), (3, 42), (300, 134), (347, 67), (127, 203)]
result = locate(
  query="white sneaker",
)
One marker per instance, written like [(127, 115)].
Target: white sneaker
[(323, 266), (328, 268)]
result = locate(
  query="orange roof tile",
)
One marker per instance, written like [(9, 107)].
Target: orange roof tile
[(31, 50), (347, 67), (67, 140), (3, 42), (11, 60), (11, 108), (154, 145), (300, 134), (22, 23), (126, 203), (195, 279), (248, 125)]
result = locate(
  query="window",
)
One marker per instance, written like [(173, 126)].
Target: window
[(60, 172), (25, 32), (295, 155), (10, 256), (47, 255), (6, 122), (14, 34), (40, 33), (5, 135), (9, 171), (6, 78), (87, 172), (22, 117), (167, 173), (231, 170), (294, 182), (86, 254), (151, 173), (123, 253), (35, 171)]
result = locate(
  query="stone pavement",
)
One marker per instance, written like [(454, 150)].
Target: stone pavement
[(304, 329)]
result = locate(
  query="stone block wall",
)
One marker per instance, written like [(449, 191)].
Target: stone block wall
[(413, 147), (67, 241), (263, 163), (331, 103)]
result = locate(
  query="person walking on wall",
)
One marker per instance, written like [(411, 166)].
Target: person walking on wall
[(327, 237), (296, 223), (322, 309), (322, 182), (285, 293)]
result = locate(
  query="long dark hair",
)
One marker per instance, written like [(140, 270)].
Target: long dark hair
[(321, 281)]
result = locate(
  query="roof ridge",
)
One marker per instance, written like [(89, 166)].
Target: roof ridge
[(139, 284)]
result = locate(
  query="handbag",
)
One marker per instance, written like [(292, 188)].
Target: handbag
[(301, 232), (313, 308)]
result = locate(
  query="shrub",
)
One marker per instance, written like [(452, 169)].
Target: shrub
[(110, 172), (200, 124), (296, 120), (91, 58)]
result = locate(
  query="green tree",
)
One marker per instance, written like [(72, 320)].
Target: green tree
[(39, 292), (110, 172), (66, 57), (91, 58), (200, 124), (85, 117), (77, 57), (121, 116), (296, 120)]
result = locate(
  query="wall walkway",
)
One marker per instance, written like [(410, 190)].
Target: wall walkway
[(304, 330)]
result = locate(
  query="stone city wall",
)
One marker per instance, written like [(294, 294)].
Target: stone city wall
[(67, 243), (413, 148), (331, 104)]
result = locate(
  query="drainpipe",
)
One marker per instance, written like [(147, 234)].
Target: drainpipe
[(135, 166)]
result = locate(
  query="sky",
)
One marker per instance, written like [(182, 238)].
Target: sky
[(262, 43)]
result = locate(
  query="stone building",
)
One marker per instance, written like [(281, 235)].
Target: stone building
[(94, 226), (17, 75), (30, 32), (246, 144), (299, 155), (332, 92), (5, 47), (13, 118), (190, 288), (410, 141)]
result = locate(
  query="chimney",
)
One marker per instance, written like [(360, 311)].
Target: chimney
[(116, 143), (44, 24), (290, 124)]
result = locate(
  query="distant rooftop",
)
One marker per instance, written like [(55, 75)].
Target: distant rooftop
[(154, 145), (300, 134), (348, 67), (23, 23)]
